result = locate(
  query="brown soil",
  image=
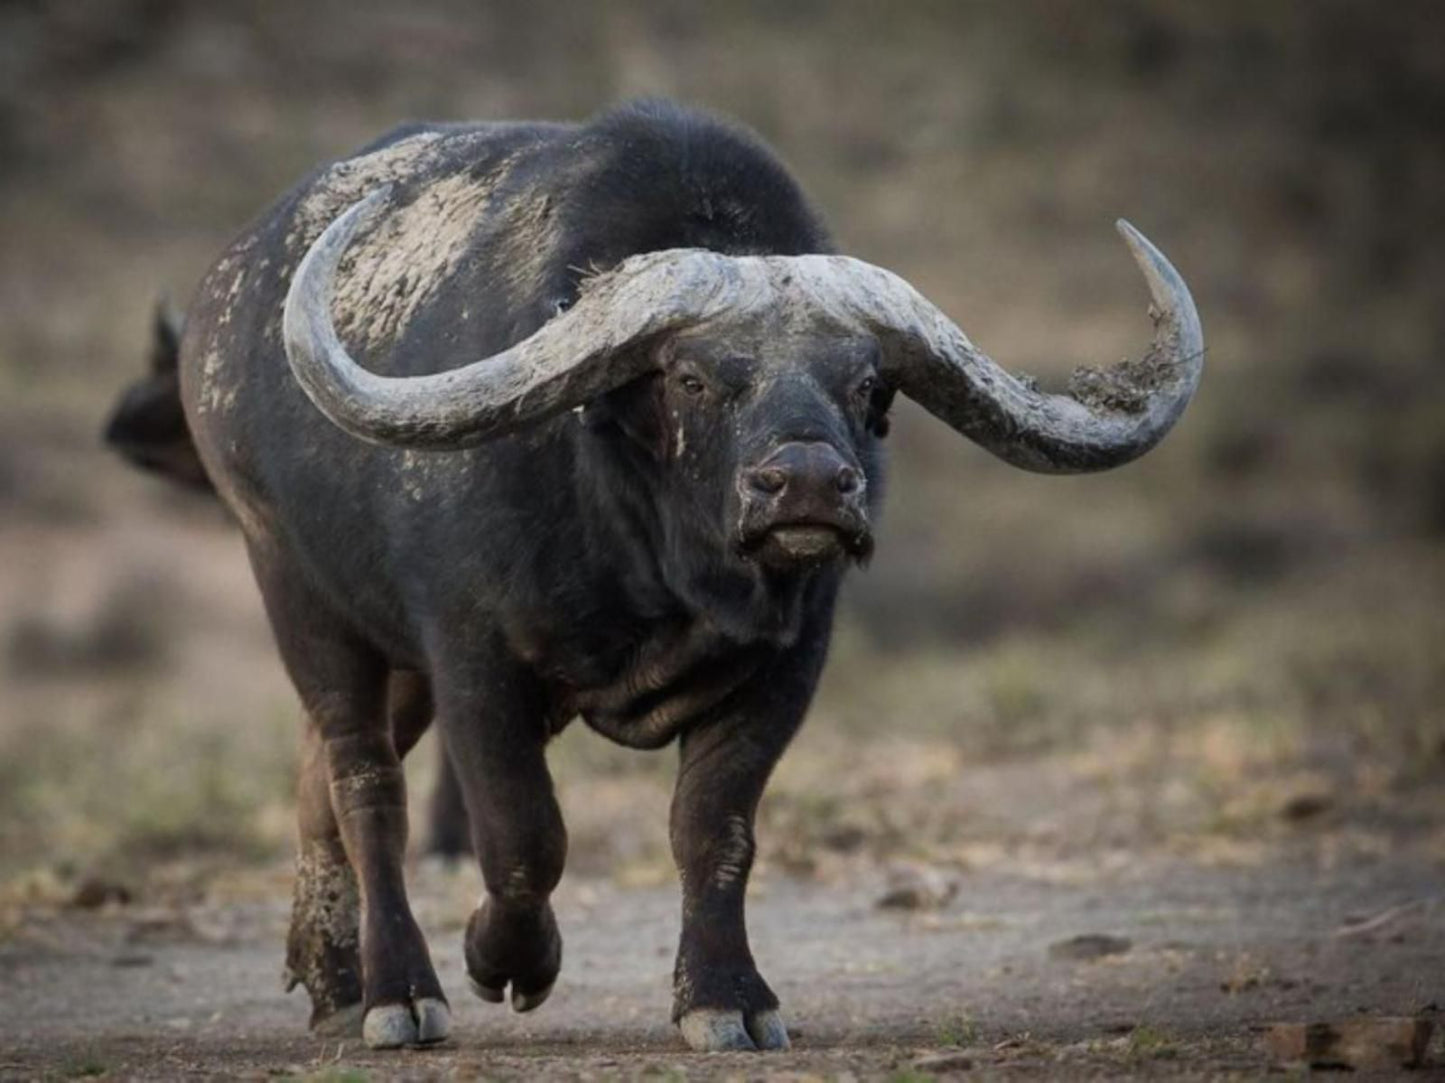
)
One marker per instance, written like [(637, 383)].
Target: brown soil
[(188, 988)]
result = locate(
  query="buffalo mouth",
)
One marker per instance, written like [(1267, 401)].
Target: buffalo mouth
[(806, 544)]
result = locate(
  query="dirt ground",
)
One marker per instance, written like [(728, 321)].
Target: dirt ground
[(964, 979), (957, 973)]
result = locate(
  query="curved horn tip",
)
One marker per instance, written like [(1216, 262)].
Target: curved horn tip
[(1166, 285)]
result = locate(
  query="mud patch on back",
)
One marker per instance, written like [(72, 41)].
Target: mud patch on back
[(528, 236), (344, 183), (392, 272)]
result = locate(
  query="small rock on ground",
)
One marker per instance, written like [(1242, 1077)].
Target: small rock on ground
[(1089, 946)]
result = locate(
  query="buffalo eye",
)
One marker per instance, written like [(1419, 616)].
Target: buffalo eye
[(865, 392), (875, 398), (692, 385)]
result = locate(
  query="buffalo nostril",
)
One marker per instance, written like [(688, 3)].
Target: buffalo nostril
[(769, 479), (847, 479)]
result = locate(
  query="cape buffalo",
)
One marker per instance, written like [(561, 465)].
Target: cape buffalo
[(525, 422)]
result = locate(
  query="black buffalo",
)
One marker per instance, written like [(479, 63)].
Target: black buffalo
[(633, 502)]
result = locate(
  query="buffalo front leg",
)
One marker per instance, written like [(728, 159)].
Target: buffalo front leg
[(351, 899), (402, 996), (323, 948), (496, 740), (720, 1001)]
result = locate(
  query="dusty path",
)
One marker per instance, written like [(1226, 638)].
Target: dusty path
[(192, 989)]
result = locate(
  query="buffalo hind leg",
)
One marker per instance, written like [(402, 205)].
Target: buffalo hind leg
[(448, 834), (343, 683), (720, 1001), (496, 740), (410, 705), (408, 709)]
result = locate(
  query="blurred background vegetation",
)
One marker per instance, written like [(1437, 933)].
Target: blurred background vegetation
[(1239, 633)]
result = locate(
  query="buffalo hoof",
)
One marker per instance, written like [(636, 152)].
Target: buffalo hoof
[(521, 1002), (490, 993), (525, 1002), (714, 1030), (768, 1030), (520, 949), (342, 1023), (391, 1026)]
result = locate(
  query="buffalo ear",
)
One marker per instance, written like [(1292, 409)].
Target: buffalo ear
[(637, 409)]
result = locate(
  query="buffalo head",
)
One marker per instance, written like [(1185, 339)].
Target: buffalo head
[(762, 429)]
